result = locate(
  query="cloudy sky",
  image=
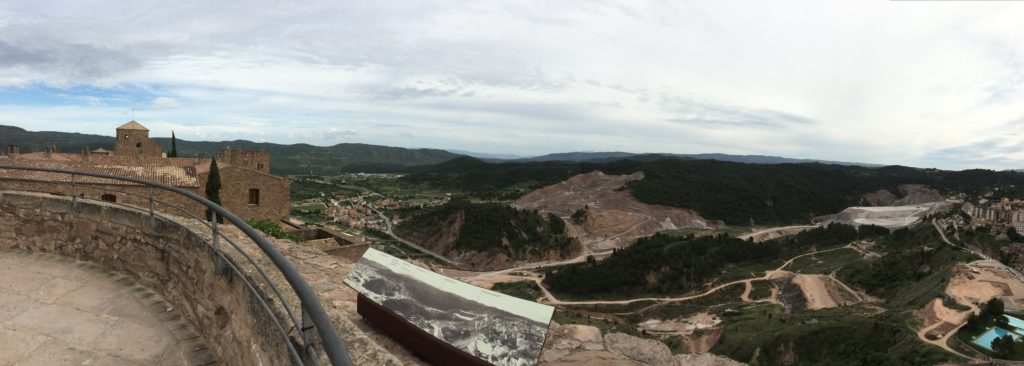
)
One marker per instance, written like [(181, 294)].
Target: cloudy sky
[(931, 84)]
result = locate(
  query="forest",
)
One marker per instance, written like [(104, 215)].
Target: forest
[(914, 269), (493, 228), (664, 264), (736, 193)]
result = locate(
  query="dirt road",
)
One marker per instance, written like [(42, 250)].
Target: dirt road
[(768, 275), (775, 232)]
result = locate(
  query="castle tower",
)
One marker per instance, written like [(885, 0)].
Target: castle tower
[(258, 160), (133, 140)]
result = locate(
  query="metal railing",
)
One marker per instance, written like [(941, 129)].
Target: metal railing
[(312, 315)]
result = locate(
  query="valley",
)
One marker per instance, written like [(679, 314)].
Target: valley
[(687, 281)]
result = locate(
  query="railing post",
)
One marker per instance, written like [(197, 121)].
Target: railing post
[(74, 191), (216, 242), (151, 202), (307, 337)]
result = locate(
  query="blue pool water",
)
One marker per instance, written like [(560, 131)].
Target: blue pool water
[(985, 340), (1016, 323)]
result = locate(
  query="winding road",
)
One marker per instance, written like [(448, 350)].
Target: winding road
[(767, 276)]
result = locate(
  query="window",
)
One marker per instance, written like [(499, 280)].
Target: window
[(138, 144), (259, 166), (109, 197), (254, 196)]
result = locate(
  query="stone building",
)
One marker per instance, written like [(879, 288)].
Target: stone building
[(133, 140), (247, 187)]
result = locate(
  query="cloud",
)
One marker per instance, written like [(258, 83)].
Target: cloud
[(894, 82), (164, 102), (704, 114), (335, 134)]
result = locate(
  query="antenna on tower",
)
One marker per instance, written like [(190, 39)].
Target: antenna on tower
[(133, 112)]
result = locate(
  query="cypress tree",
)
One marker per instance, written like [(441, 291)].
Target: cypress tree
[(174, 146), (213, 189)]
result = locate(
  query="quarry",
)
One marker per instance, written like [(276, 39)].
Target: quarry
[(891, 217)]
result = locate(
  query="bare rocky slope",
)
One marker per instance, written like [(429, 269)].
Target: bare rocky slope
[(583, 345), (910, 194), (611, 217)]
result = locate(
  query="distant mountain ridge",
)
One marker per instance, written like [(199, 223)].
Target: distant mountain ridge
[(605, 156), (284, 159), (355, 157)]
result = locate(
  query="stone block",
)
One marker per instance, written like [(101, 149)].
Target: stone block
[(20, 200)]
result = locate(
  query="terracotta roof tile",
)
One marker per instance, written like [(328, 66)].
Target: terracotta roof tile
[(182, 175)]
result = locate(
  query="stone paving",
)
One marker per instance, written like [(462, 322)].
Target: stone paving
[(58, 311)]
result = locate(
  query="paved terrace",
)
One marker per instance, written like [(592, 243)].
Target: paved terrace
[(57, 311)]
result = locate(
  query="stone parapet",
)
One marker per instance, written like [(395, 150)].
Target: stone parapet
[(171, 256)]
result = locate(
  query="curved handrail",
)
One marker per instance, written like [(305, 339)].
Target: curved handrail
[(334, 347)]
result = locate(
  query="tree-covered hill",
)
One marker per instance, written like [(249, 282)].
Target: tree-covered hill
[(489, 235), (666, 265), (597, 157), (737, 193), (284, 159)]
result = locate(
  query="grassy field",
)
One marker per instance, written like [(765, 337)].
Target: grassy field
[(606, 326), (839, 336), (730, 230), (717, 303), (526, 290), (748, 271), (823, 263), (612, 308), (760, 290)]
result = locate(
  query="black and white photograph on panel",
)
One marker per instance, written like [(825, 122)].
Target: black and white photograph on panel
[(497, 328)]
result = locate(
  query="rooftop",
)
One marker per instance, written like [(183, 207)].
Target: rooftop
[(132, 125), (178, 172)]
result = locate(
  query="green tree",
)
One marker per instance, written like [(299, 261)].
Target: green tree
[(1014, 235), (174, 146), (994, 307), (973, 323), (580, 216), (1005, 346), (213, 189)]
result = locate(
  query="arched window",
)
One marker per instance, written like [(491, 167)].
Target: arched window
[(109, 197), (254, 196)]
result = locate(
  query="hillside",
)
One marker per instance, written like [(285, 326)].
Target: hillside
[(37, 141), (615, 155), (665, 264), (284, 159), (489, 235), (602, 215), (736, 193)]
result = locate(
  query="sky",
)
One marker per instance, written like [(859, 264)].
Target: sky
[(918, 83)]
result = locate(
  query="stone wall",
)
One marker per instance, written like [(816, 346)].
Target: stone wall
[(258, 160), (170, 255), (134, 195), (274, 193), (135, 143)]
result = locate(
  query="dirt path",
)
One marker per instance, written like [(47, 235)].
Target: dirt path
[(782, 231), (790, 261), (747, 287), (944, 341), (855, 294), (813, 287), (768, 275)]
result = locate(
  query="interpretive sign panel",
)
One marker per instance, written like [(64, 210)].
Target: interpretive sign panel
[(494, 327)]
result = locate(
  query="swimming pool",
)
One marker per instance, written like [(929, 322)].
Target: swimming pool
[(985, 340), (1016, 323)]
